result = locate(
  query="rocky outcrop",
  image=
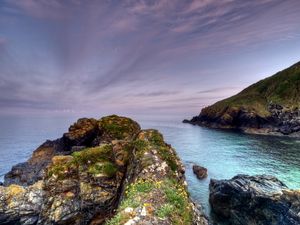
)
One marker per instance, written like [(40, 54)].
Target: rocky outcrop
[(201, 172), (285, 121), (29, 172), (156, 190), (270, 106), (105, 171), (254, 200)]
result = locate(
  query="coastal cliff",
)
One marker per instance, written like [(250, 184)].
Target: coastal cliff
[(105, 171), (270, 106)]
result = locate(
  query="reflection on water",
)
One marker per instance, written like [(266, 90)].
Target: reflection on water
[(223, 153)]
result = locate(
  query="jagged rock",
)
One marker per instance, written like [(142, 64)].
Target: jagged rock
[(156, 191), (21, 205), (121, 128), (85, 178), (84, 133), (201, 172), (254, 200), (81, 133), (31, 171)]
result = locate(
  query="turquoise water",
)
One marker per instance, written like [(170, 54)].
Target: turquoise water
[(223, 153)]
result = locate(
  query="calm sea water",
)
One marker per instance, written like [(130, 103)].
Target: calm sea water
[(224, 153)]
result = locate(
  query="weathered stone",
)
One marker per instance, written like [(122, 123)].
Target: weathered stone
[(21, 205), (75, 184), (254, 200), (201, 172), (82, 133), (33, 170)]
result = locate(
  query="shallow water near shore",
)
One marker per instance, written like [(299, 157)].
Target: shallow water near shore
[(224, 153)]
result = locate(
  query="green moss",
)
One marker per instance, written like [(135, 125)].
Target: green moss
[(95, 161), (172, 204), (156, 138), (93, 155), (153, 139), (106, 168), (119, 127), (169, 156), (165, 211), (177, 198), (62, 171), (140, 145), (118, 219)]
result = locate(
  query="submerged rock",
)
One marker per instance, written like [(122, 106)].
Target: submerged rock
[(201, 172), (101, 171), (254, 200)]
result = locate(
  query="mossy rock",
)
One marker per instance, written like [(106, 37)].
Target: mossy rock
[(153, 139), (152, 136), (97, 161), (117, 127)]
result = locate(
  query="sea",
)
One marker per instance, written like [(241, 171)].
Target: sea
[(224, 153)]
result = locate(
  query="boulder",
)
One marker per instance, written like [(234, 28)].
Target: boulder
[(201, 172), (254, 200)]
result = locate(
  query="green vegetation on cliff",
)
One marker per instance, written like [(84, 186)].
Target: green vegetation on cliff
[(158, 191), (283, 88), (105, 171)]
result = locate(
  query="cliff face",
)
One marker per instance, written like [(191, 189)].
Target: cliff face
[(271, 106), (105, 171)]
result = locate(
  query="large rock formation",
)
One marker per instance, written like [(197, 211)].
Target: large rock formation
[(105, 171), (270, 106), (254, 200)]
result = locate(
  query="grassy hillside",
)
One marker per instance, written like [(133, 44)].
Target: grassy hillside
[(283, 88)]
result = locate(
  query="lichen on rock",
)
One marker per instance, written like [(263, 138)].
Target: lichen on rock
[(100, 171)]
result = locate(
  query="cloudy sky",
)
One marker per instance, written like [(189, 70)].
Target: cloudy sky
[(150, 57)]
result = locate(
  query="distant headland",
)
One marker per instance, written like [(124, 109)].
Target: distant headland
[(270, 106)]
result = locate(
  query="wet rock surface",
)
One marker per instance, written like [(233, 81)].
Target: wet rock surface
[(105, 171), (201, 172), (254, 200)]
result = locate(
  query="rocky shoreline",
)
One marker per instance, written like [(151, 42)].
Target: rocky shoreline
[(254, 200), (105, 171), (280, 121), (111, 172)]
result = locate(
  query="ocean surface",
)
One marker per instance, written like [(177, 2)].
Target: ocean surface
[(224, 153)]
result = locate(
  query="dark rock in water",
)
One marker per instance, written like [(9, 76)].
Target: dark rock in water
[(254, 200), (186, 121), (65, 182), (1, 183), (29, 172), (201, 172)]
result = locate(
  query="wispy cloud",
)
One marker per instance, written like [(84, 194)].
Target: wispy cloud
[(76, 54)]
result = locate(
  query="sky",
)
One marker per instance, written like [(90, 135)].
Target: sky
[(139, 57)]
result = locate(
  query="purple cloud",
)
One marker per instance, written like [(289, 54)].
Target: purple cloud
[(135, 54)]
